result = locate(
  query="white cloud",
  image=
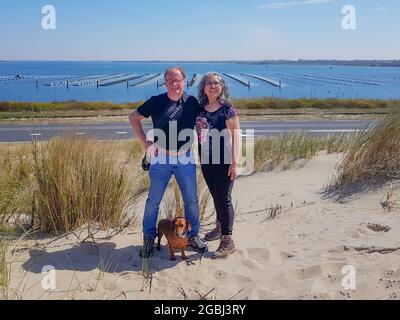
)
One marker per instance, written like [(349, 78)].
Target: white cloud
[(279, 5)]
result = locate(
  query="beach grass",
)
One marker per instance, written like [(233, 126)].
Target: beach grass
[(173, 205), (15, 184), (373, 157), (4, 269), (66, 183), (80, 182), (285, 150)]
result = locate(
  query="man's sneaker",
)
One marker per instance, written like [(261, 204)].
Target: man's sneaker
[(148, 245), (197, 245)]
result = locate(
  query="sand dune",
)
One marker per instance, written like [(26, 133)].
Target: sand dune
[(300, 254)]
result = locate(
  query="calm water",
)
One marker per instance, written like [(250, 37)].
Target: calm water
[(46, 81)]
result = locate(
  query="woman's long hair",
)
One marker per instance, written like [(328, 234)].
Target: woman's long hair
[(224, 96)]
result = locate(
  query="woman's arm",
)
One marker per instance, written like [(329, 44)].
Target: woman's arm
[(233, 126)]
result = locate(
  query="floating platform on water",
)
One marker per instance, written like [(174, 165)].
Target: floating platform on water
[(341, 79), (275, 83), (122, 79), (93, 81), (241, 81), (152, 76), (66, 80), (192, 82)]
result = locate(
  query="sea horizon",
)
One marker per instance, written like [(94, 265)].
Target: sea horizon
[(273, 61), (125, 81)]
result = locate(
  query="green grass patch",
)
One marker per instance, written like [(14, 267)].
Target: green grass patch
[(272, 103), (13, 106)]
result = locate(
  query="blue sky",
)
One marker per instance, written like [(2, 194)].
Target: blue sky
[(199, 30)]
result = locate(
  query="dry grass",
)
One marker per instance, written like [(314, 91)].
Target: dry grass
[(373, 157), (131, 153), (80, 182), (15, 180), (68, 183), (204, 196), (172, 204), (283, 151), (4, 268)]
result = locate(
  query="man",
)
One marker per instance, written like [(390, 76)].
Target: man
[(172, 113)]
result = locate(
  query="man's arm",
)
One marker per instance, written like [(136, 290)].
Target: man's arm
[(135, 119)]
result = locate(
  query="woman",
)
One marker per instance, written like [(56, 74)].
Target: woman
[(219, 137)]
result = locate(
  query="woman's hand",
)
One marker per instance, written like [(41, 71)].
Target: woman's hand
[(232, 171)]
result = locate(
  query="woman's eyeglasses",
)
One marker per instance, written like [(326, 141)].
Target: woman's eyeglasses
[(215, 83)]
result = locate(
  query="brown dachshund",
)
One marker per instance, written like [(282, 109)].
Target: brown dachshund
[(176, 233)]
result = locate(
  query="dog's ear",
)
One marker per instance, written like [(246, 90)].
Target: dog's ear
[(189, 227)]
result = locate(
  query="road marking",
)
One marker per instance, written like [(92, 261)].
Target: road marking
[(35, 134), (259, 132), (338, 130), (121, 132), (308, 130), (80, 133)]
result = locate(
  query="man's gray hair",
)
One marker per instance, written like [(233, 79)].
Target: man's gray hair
[(224, 96), (180, 69)]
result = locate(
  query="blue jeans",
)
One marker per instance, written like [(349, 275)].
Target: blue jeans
[(161, 169)]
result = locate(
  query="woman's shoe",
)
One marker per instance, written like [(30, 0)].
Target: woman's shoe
[(226, 247), (214, 234)]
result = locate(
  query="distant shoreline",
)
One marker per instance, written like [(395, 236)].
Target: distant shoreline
[(353, 63), (249, 109)]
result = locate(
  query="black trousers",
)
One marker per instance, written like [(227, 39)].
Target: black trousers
[(220, 186)]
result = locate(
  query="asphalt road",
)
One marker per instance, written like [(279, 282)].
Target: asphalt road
[(121, 131)]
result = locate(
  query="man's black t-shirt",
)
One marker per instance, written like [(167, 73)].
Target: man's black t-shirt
[(167, 115)]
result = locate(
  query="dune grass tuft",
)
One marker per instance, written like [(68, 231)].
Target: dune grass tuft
[(15, 184), (284, 150), (4, 268), (173, 205), (80, 182), (373, 157)]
